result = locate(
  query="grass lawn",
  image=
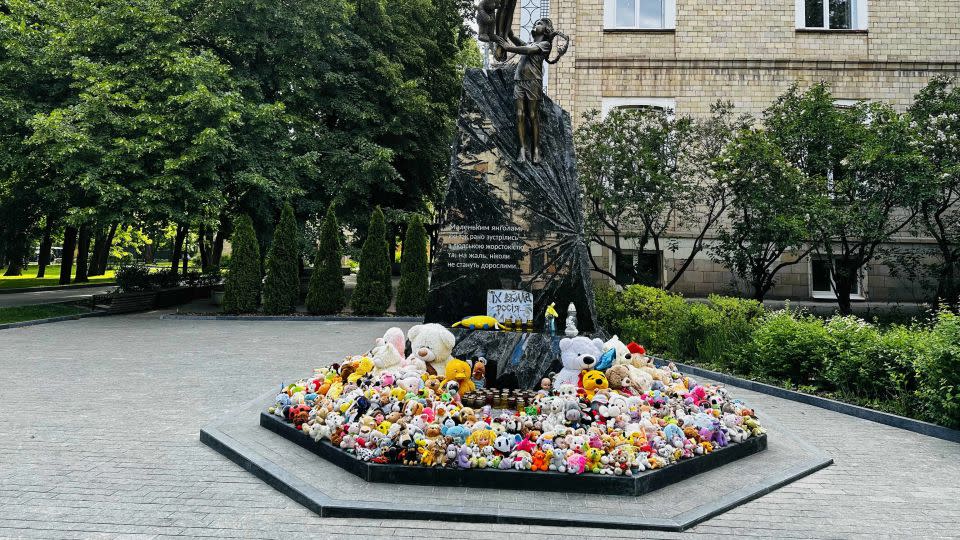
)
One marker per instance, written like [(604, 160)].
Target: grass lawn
[(32, 313), (52, 278)]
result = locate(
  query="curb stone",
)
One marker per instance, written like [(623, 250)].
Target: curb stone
[(21, 324), (888, 419), (56, 288), (285, 318)]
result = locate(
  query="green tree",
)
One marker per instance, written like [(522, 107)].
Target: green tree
[(869, 175), (374, 288), (414, 273), (281, 286), (325, 293), (771, 208), (936, 115), (242, 284)]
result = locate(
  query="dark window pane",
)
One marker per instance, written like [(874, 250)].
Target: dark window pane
[(813, 14), (624, 270), (821, 276), (648, 269), (840, 14)]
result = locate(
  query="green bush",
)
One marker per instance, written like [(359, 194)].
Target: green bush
[(939, 373), (281, 286), (242, 285), (848, 364), (374, 289), (325, 293), (653, 318), (414, 278), (899, 351), (607, 304), (789, 346)]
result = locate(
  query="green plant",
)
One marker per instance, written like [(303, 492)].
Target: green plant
[(374, 289), (789, 346), (281, 287), (414, 278), (651, 317), (133, 278), (939, 373), (242, 284), (325, 293), (900, 351), (849, 364)]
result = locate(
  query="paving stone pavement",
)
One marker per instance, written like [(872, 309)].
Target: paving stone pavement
[(99, 424)]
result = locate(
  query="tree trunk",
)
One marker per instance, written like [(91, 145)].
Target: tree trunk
[(178, 248), (46, 245), (843, 287), (105, 252), (69, 246), (202, 248), (946, 284), (98, 240), (83, 252), (18, 251)]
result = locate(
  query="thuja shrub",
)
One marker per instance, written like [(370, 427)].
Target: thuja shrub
[(242, 284)]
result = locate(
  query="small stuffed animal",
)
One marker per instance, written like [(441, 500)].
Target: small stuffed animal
[(459, 371), (594, 381), (479, 376)]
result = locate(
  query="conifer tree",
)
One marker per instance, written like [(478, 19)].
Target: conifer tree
[(242, 284), (412, 292), (373, 292), (325, 293), (281, 288)]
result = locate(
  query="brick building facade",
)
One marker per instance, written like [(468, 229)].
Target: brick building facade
[(687, 54)]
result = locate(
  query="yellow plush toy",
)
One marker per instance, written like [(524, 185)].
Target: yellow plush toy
[(460, 371), (364, 366), (478, 322), (593, 381)]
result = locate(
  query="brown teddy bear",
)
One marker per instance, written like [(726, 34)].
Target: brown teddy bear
[(619, 378)]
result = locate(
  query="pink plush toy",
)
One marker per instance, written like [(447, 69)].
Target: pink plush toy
[(576, 463)]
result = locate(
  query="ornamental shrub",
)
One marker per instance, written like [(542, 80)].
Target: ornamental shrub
[(655, 319), (789, 346), (325, 293), (848, 365), (414, 279), (281, 286), (899, 352), (939, 373), (242, 284), (374, 289)]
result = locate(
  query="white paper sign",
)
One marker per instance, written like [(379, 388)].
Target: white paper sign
[(503, 304)]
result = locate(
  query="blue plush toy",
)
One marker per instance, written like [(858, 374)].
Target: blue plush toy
[(606, 360)]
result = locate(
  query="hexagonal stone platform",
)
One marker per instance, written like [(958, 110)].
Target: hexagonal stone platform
[(329, 490)]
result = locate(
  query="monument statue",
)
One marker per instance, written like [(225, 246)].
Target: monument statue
[(528, 80)]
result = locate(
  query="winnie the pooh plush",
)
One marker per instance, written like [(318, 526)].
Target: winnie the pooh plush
[(594, 381), (431, 344), (576, 354)]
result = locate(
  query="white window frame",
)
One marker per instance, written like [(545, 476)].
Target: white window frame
[(858, 16), (608, 104), (610, 16), (832, 293)]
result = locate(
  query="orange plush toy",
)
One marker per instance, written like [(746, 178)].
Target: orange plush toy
[(459, 371)]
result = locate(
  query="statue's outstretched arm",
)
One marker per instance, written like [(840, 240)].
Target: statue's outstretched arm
[(520, 48), (516, 41)]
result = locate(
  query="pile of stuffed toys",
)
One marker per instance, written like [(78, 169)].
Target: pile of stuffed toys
[(608, 411)]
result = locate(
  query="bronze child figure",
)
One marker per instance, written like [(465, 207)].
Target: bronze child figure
[(528, 81)]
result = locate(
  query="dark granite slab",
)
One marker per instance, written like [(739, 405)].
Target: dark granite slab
[(508, 224)]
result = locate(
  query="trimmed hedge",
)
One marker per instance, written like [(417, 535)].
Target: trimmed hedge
[(912, 370), (325, 294)]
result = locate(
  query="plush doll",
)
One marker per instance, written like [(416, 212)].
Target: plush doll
[(431, 344), (577, 354), (619, 379), (479, 376), (459, 371), (594, 381)]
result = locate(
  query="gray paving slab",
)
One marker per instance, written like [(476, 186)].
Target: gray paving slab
[(99, 420)]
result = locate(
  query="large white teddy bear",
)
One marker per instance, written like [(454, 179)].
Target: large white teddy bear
[(431, 345), (388, 353), (577, 354)]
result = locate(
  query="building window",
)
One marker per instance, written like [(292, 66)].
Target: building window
[(832, 14), (638, 268), (666, 104), (640, 14), (821, 283)]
